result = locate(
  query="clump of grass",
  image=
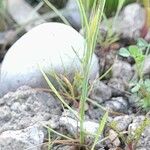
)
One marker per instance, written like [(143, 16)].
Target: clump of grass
[(91, 25), (57, 93)]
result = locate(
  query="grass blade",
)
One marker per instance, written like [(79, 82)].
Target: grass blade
[(84, 18), (57, 12), (51, 130), (100, 129)]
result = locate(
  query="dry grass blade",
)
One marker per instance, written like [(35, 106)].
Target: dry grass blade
[(57, 93)]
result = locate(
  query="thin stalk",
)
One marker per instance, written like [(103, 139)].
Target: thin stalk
[(57, 12), (102, 124), (83, 15), (104, 75), (48, 15), (49, 140), (120, 4), (35, 10), (142, 64), (64, 136)]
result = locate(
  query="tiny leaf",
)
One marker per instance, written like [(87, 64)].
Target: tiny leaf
[(135, 51), (147, 84), (135, 88), (124, 52), (141, 43)]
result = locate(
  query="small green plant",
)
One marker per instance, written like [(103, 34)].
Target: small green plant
[(131, 138), (141, 87)]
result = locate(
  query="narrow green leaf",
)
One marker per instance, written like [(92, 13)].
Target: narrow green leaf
[(101, 127), (49, 4), (51, 130)]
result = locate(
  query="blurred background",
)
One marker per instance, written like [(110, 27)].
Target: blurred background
[(19, 16)]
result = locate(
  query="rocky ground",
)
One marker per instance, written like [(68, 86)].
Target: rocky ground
[(26, 113)]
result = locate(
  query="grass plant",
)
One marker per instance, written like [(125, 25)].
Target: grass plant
[(90, 24)]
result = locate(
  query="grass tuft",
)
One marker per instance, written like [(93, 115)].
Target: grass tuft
[(90, 26)]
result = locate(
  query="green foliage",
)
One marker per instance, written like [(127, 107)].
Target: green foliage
[(141, 87), (136, 51), (124, 52), (144, 92), (2, 6)]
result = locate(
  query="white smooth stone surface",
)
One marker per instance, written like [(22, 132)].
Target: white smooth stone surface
[(55, 46)]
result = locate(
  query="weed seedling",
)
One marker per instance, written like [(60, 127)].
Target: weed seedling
[(130, 139), (133, 138), (141, 87)]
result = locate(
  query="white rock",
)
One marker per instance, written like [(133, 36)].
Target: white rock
[(74, 14), (53, 46), (73, 125), (29, 138), (129, 23)]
